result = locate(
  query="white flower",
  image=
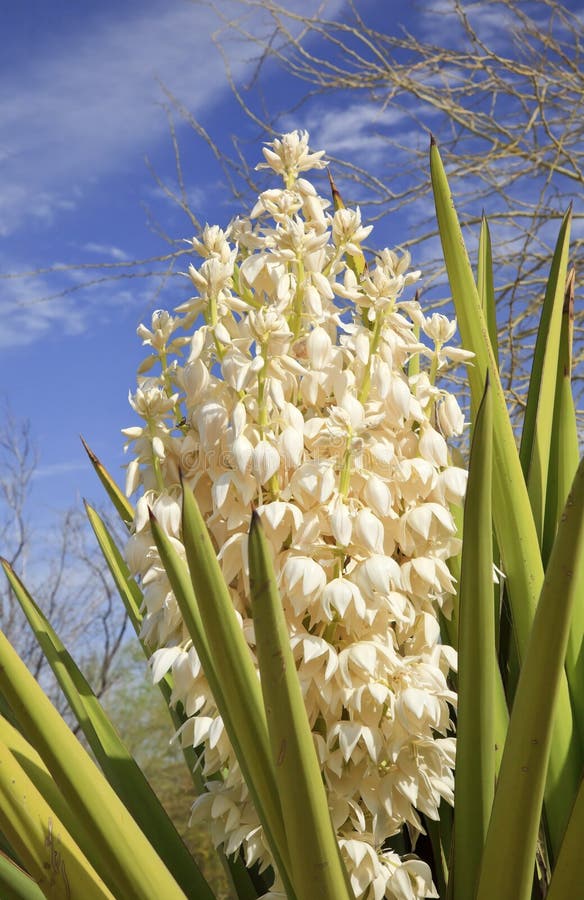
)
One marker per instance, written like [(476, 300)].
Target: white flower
[(294, 399), (290, 156), (265, 461), (450, 416)]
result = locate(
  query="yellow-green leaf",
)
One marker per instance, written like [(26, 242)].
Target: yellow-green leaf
[(15, 884), (121, 503), (41, 840), (477, 665), (120, 852), (117, 764), (509, 854), (317, 868)]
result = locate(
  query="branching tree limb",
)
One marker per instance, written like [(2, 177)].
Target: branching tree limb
[(502, 88)]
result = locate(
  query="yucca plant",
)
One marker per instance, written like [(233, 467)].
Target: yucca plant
[(296, 510)]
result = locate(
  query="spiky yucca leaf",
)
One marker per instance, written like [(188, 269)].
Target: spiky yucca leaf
[(509, 854), (517, 536), (119, 851), (314, 853), (116, 762), (476, 744)]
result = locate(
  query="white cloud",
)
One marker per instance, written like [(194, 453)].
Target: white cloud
[(43, 306), (77, 114), (61, 468), (358, 128), (92, 105), (106, 250)]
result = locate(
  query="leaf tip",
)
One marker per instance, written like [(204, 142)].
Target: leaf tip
[(255, 520), (337, 199), (89, 451)]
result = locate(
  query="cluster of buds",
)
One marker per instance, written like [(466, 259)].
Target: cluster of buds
[(302, 382)]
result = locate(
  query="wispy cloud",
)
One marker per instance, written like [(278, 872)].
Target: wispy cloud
[(36, 309), (24, 321), (75, 115), (86, 106), (349, 130), (107, 250), (61, 468), (89, 107)]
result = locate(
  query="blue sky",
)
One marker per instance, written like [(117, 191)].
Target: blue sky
[(81, 107)]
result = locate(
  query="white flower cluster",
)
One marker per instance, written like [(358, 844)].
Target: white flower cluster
[(295, 397)]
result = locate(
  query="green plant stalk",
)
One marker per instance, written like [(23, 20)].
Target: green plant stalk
[(121, 853), (414, 360), (15, 884), (317, 867), (477, 663), (567, 875), (514, 524), (509, 854), (236, 690), (117, 764), (536, 435), (39, 837)]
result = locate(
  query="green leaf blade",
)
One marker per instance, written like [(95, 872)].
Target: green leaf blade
[(509, 855), (210, 619), (476, 743), (120, 502), (536, 436), (120, 852), (41, 840), (117, 764), (16, 884), (315, 859), (567, 875), (516, 533), (486, 287)]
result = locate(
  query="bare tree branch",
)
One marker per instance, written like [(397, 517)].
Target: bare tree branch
[(62, 569), (505, 103)]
